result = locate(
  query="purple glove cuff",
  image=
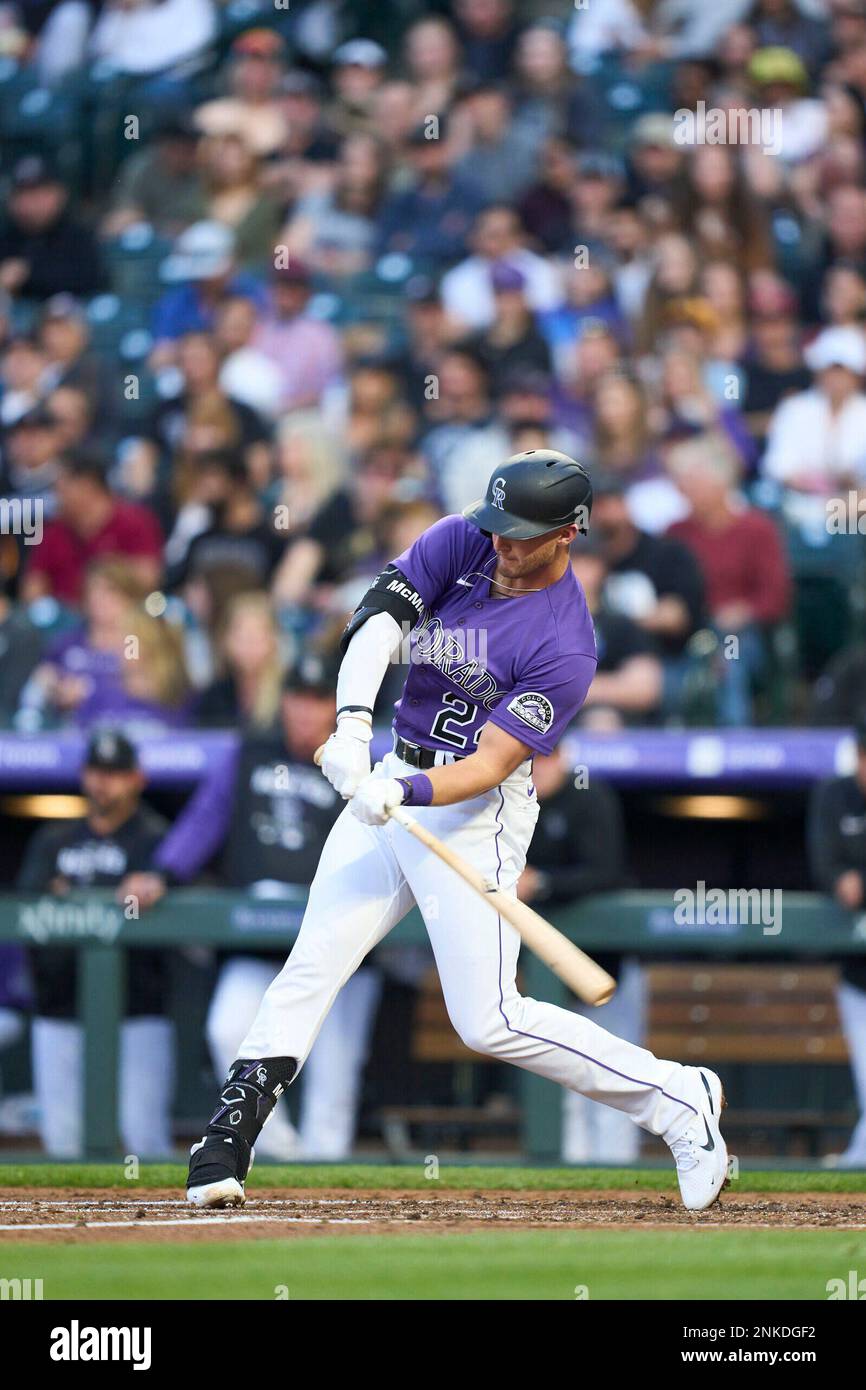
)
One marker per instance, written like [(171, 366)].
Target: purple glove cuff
[(418, 790)]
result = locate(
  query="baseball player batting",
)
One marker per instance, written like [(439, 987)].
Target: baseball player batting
[(502, 655)]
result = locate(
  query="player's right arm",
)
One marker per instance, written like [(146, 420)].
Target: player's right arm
[(373, 635), (395, 602)]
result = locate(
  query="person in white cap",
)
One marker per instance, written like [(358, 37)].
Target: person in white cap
[(817, 438), (201, 274)]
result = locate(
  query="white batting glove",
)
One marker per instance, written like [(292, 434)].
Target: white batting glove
[(346, 759), (375, 798)]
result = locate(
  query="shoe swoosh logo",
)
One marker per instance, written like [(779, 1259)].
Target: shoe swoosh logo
[(711, 1143)]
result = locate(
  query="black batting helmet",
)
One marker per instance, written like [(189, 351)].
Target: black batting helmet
[(532, 493)]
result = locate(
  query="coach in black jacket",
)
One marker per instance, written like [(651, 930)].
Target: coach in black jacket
[(114, 840)]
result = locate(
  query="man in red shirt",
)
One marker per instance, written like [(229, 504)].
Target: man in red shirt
[(91, 523), (742, 559)]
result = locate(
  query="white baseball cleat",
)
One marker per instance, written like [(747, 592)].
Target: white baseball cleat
[(699, 1150), (228, 1193), (224, 1191)]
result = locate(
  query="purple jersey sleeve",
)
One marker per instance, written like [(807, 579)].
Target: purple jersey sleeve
[(547, 697), (203, 824), (433, 562)]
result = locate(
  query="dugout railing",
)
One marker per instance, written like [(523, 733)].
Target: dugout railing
[(807, 928)]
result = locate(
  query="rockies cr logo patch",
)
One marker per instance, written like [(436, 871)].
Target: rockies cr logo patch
[(534, 709)]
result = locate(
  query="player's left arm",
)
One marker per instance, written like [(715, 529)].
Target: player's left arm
[(498, 755)]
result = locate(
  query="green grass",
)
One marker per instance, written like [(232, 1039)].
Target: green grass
[(550, 1265), (456, 1178)]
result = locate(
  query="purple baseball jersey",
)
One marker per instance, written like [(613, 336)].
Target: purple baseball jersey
[(525, 663)]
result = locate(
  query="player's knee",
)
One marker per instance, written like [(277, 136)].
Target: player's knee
[(484, 1034)]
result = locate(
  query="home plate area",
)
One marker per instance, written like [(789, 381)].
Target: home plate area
[(160, 1215)]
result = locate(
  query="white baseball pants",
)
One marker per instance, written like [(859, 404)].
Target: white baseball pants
[(369, 877)]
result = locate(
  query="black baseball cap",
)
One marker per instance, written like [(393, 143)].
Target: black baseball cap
[(315, 673), (111, 751), (33, 171)]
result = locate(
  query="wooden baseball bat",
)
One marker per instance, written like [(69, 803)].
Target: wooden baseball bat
[(583, 976)]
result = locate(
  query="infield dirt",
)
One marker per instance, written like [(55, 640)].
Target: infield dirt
[(67, 1216)]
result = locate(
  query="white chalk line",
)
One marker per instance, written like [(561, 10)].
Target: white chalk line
[(189, 1221)]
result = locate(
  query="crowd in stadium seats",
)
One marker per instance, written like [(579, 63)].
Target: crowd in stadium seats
[(278, 284)]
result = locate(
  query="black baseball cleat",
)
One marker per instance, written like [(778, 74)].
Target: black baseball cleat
[(218, 1170)]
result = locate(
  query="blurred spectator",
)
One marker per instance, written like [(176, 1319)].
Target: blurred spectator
[(500, 161), (267, 812), (773, 363), (719, 212), (547, 102), (246, 691), (44, 249), (111, 846), (629, 680), (429, 221), (333, 231), (150, 37), (22, 378), (673, 29), (589, 301), (306, 351), (235, 197), (656, 164), (459, 449), (839, 697), (344, 538), (653, 580), (837, 859), (160, 184), (251, 111), (90, 523), (120, 665), (512, 342), (743, 563), (817, 438), (20, 650), (359, 69), (31, 458), (488, 32), (497, 238), (781, 81), (202, 271), (309, 466), (64, 336), (222, 523), (203, 415), (432, 62), (545, 208)]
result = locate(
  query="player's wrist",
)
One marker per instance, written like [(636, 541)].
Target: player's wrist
[(356, 721), (417, 790)]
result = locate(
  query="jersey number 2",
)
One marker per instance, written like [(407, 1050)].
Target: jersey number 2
[(456, 712)]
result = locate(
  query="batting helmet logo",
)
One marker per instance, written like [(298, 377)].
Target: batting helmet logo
[(498, 498)]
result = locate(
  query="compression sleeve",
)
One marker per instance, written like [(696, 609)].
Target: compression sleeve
[(370, 649)]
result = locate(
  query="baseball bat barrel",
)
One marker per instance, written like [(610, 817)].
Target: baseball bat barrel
[(583, 976)]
